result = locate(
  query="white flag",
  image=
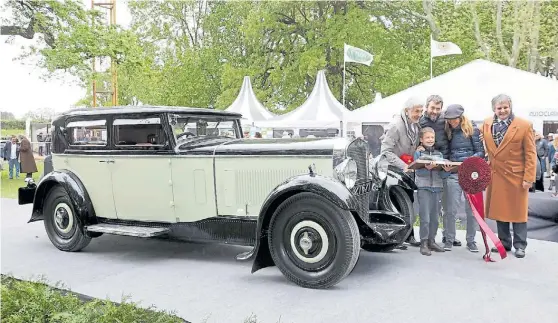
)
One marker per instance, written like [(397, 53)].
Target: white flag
[(357, 55), (443, 48)]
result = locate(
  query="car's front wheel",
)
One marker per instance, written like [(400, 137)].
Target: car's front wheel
[(314, 243), (61, 223)]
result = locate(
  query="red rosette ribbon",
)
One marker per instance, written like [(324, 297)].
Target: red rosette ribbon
[(407, 159), (474, 177)]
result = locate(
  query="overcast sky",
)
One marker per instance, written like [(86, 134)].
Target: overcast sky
[(22, 89)]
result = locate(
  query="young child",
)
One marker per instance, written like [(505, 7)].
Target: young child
[(430, 185)]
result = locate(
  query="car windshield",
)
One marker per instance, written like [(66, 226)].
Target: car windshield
[(188, 129)]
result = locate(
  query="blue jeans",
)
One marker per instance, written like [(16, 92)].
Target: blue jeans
[(454, 193), (11, 164)]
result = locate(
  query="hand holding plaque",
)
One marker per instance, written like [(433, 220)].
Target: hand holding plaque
[(445, 165)]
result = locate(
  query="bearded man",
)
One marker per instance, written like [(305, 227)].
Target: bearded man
[(512, 154)]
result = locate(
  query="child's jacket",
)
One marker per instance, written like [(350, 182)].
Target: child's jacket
[(425, 178)]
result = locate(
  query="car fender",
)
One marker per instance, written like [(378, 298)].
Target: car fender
[(396, 177), (76, 190), (332, 189)]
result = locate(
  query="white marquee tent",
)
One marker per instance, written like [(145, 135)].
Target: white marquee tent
[(247, 104), (473, 85), (320, 110)]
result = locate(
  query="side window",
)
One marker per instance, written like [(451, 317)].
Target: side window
[(87, 133), (139, 134), (57, 142)]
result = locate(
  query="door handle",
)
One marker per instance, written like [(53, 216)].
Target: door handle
[(108, 161), (103, 161)]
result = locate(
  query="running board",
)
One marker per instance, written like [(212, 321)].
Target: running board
[(128, 230)]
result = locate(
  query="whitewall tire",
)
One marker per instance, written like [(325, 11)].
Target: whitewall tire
[(314, 243), (61, 223)]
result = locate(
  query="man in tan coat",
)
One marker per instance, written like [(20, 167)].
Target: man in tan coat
[(510, 146)]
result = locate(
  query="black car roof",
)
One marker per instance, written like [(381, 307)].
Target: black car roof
[(143, 109)]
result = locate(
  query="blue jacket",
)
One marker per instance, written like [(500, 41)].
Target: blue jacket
[(442, 142), (425, 178), (462, 147)]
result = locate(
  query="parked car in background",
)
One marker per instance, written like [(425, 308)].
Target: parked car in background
[(307, 206)]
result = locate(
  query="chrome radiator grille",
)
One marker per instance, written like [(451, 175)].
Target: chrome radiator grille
[(358, 151)]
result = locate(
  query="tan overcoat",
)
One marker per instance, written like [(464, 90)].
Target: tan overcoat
[(513, 162), (26, 157)]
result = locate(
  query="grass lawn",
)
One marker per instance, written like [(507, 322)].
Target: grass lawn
[(24, 301), (8, 187)]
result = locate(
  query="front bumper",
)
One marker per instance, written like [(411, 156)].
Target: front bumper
[(26, 195), (385, 227)]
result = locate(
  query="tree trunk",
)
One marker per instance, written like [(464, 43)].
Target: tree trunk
[(534, 44), (478, 36)]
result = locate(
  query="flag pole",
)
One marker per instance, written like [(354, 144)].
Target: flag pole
[(343, 79), (430, 66), (343, 122), (430, 56)]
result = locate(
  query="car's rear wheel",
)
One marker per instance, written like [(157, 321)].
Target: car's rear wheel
[(314, 243), (61, 223)]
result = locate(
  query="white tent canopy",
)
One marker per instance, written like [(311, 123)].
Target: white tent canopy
[(247, 104), (472, 85), (320, 110)]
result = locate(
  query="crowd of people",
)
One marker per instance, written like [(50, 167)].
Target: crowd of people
[(547, 152), (428, 131)]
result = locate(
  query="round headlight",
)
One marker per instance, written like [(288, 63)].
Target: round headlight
[(381, 166), (346, 172)]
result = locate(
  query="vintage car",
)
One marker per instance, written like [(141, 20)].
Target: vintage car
[(307, 206)]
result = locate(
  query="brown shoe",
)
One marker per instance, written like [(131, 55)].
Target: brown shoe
[(435, 247), (424, 248)]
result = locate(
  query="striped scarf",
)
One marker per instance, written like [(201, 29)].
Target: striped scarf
[(499, 128), (412, 129)]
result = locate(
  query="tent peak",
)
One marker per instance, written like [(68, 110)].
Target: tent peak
[(247, 104)]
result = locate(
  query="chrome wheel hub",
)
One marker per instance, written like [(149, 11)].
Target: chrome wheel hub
[(309, 241), (63, 217), (305, 243)]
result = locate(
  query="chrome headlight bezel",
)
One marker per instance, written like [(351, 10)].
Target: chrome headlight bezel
[(380, 166), (346, 172)]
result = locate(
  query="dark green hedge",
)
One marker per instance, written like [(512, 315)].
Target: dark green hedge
[(13, 124)]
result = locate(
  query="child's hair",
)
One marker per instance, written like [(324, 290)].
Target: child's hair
[(426, 130)]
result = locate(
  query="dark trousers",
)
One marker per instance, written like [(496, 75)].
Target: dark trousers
[(519, 234)]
